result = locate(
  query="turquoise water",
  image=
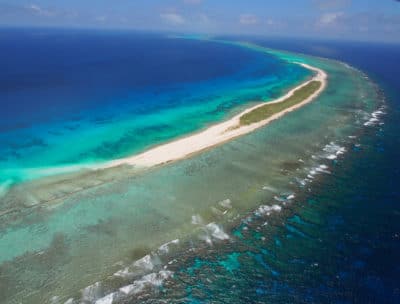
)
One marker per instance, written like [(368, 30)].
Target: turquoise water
[(80, 102), (159, 235)]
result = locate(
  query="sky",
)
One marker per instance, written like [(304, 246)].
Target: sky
[(370, 20)]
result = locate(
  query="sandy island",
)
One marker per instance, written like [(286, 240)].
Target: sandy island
[(216, 134)]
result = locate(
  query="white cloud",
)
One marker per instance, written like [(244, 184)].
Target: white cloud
[(248, 19), (40, 11), (330, 18), (173, 18)]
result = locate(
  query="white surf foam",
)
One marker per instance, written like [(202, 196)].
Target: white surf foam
[(267, 210), (123, 273), (279, 199), (145, 263), (165, 247), (291, 196), (375, 117), (197, 220), (269, 188), (227, 204), (332, 150), (132, 288), (108, 299), (323, 169), (217, 232), (149, 280), (206, 238), (91, 293), (319, 169)]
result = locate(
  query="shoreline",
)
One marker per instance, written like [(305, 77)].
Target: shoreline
[(63, 182), (216, 134)]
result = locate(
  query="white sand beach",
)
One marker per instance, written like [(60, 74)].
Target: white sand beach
[(216, 134)]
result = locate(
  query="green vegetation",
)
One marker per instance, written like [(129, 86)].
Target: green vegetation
[(268, 110)]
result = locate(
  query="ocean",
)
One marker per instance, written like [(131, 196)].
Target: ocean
[(81, 97), (304, 210)]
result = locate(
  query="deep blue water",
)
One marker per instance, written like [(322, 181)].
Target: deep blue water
[(122, 92), (342, 242), (47, 72)]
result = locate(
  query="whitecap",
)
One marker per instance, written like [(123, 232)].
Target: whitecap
[(145, 263), (108, 299), (331, 156), (197, 220), (123, 273), (302, 182), (266, 210), (217, 232), (92, 292), (132, 288), (151, 279), (291, 196), (332, 150), (323, 169), (269, 188), (374, 118), (341, 151), (206, 238), (279, 199), (165, 247)]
